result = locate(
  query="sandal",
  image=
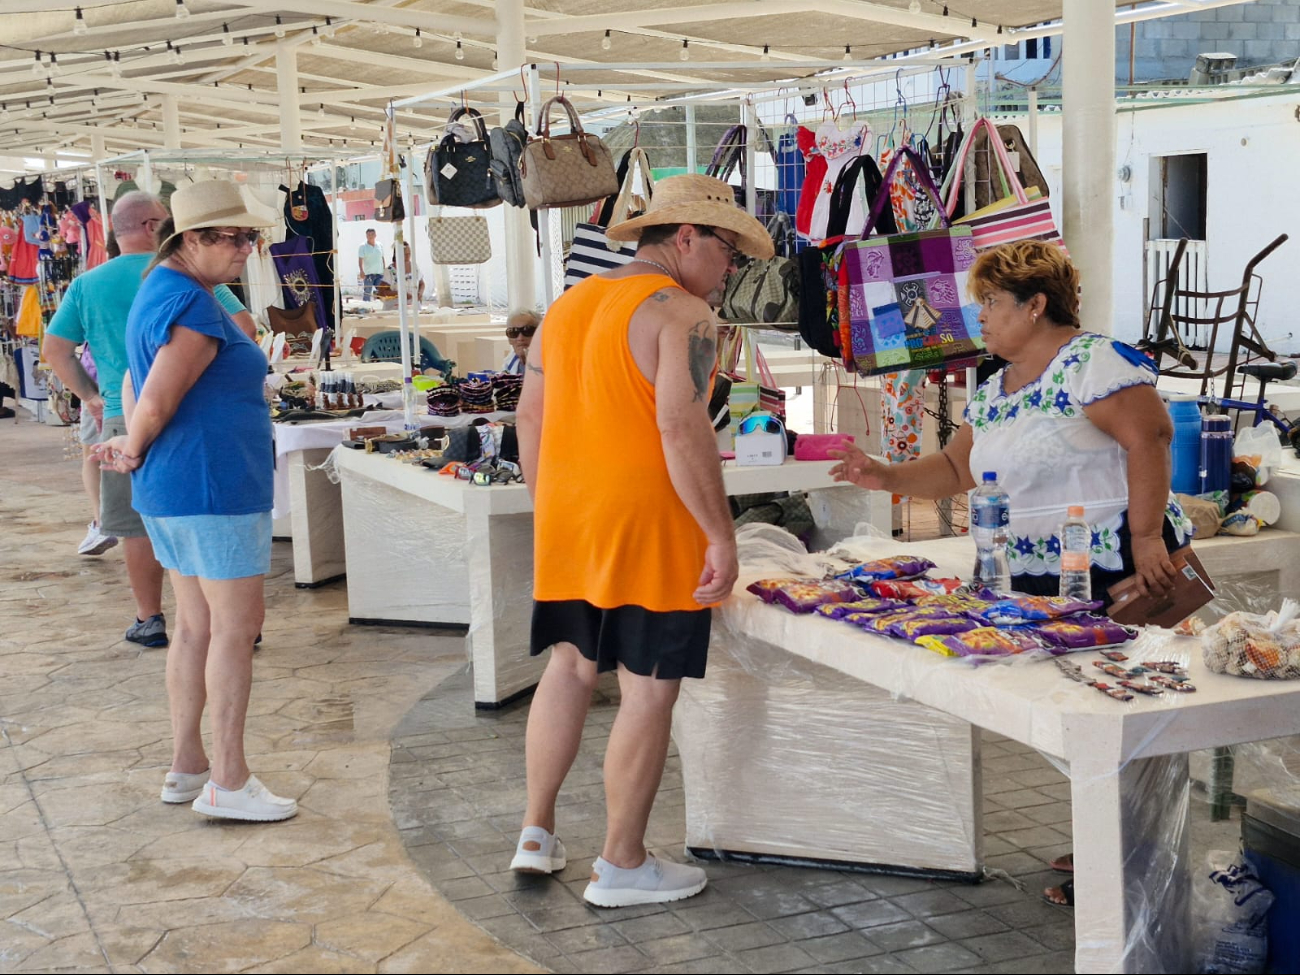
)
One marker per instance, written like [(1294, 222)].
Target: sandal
[(1063, 864), (1066, 891)]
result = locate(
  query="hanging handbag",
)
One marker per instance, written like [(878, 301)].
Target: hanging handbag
[(1013, 216), (464, 169), (907, 298), (766, 292), (592, 251), (566, 170), (388, 201), (297, 325), (459, 240), (506, 143), (730, 154)]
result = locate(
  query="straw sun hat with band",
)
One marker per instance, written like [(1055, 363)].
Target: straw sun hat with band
[(215, 203), (700, 200)]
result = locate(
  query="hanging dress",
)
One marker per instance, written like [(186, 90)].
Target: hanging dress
[(813, 175), (26, 253), (839, 149), (789, 170), (307, 214), (262, 283)]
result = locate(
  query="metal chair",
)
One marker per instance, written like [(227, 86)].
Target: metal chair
[(1184, 324)]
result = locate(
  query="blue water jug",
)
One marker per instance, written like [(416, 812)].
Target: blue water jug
[(1185, 450)]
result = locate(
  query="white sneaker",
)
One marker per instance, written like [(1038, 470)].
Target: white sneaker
[(253, 802), (654, 882), (184, 786), (95, 542), (538, 852)]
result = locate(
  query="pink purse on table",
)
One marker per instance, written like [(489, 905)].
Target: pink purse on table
[(817, 446)]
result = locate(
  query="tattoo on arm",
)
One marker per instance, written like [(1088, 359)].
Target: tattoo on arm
[(537, 369), (664, 295), (701, 353)]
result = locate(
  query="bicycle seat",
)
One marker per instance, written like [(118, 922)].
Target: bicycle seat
[(1264, 371)]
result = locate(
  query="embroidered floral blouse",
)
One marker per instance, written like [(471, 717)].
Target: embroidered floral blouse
[(1048, 455)]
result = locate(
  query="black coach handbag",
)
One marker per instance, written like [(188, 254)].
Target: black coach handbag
[(464, 169)]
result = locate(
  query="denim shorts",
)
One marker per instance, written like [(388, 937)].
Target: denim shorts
[(213, 546)]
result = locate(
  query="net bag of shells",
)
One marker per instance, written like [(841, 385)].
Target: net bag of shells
[(1246, 645)]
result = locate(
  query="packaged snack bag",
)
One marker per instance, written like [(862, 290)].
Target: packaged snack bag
[(914, 588), (984, 641), (893, 567), (806, 595)]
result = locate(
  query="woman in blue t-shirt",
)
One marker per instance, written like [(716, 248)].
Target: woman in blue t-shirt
[(198, 448)]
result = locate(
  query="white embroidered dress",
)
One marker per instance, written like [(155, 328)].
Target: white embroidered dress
[(1048, 455)]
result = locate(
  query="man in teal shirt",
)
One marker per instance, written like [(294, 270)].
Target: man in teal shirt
[(94, 309), (370, 265)]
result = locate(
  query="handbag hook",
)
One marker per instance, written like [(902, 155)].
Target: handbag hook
[(557, 78), (523, 79), (849, 98)]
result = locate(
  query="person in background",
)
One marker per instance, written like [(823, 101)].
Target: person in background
[(1073, 418), (198, 449), (520, 328), (370, 266), (414, 280), (96, 542), (630, 557)]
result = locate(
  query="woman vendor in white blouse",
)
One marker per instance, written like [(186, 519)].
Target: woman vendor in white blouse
[(1073, 418)]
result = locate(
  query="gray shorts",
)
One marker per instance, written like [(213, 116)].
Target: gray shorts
[(88, 432), (116, 516)]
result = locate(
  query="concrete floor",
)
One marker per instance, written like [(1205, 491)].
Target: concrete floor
[(409, 805)]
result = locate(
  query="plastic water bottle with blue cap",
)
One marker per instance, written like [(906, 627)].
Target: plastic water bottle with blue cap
[(990, 526)]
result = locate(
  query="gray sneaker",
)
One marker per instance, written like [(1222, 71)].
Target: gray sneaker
[(150, 633), (654, 882)]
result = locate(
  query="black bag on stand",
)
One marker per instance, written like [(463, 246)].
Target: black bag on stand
[(464, 169)]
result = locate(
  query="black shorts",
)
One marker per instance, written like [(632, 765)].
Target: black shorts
[(667, 645)]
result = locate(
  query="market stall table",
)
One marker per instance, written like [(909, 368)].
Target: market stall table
[(426, 549), (305, 495), (1127, 762)]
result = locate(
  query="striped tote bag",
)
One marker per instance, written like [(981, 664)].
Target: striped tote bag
[(592, 252)]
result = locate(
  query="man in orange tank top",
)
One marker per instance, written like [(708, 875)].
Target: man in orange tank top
[(633, 536)]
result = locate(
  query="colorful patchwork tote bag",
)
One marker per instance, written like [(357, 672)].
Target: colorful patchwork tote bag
[(908, 306)]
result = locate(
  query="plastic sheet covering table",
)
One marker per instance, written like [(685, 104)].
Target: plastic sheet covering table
[(427, 549), (1127, 761), (311, 501)]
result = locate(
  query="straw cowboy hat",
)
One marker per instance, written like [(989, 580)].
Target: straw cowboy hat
[(216, 203), (700, 200)]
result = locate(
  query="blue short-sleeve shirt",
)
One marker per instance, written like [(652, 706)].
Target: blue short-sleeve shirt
[(214, 457)]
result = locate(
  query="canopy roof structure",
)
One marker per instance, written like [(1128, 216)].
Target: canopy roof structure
[(221, 73)]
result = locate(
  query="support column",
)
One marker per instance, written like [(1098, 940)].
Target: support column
[(171, 113), (286, 74), (690, 140), (97, 148), (1032, 131), (1087, 208), (521, 261)]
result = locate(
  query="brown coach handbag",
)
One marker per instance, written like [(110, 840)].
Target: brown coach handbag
[(297, 324), (566, 170)]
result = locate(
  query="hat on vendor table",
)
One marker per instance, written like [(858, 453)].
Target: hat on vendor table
[(703, 200), (216, 203)]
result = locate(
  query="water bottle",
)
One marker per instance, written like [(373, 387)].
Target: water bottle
[(1076, 555), (990, 520)]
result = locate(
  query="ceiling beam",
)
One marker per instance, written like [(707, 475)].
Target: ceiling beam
[(398, 16), (930, 24)]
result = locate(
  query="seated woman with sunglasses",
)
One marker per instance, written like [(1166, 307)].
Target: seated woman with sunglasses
[(198, 448), (520, 327)]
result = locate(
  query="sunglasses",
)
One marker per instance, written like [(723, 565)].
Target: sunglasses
[(515, 331), (250, 237), (735, 255), (761, 422)]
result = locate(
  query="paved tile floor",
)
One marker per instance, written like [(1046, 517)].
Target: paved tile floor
[(410, 805)]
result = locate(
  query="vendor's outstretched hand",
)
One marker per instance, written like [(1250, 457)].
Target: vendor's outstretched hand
[(857, 468), (1156, 573)]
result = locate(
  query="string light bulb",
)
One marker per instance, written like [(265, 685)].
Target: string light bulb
[(685, 53), (767, 53), (182, 11), (974, 22), (115, 69), (320, 112), (315, 36), (38, 68), (606, 42), (419, 41), (848, 53), (226, 39), (54, 64), (460, 52), (914, 7), (279, 27), (352, 123), (494, 60), (79, 25), (4, 110), (329, 27)]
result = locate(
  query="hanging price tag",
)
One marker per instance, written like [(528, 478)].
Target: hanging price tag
[(1014, 156), (448, 171)]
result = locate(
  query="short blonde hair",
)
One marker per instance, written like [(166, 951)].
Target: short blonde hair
[(522, 318), (1026, 268)]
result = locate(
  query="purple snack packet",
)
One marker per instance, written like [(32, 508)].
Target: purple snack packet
[(1023, 609), (862, 607), (913, 628), (1081, 632), (893, 567), (986, 641), (805, 596), (765, 589)]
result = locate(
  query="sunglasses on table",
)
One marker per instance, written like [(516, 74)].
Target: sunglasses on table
[(761, 423), (515, 331)]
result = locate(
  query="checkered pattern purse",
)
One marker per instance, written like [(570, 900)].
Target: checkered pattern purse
[(459, 240)]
